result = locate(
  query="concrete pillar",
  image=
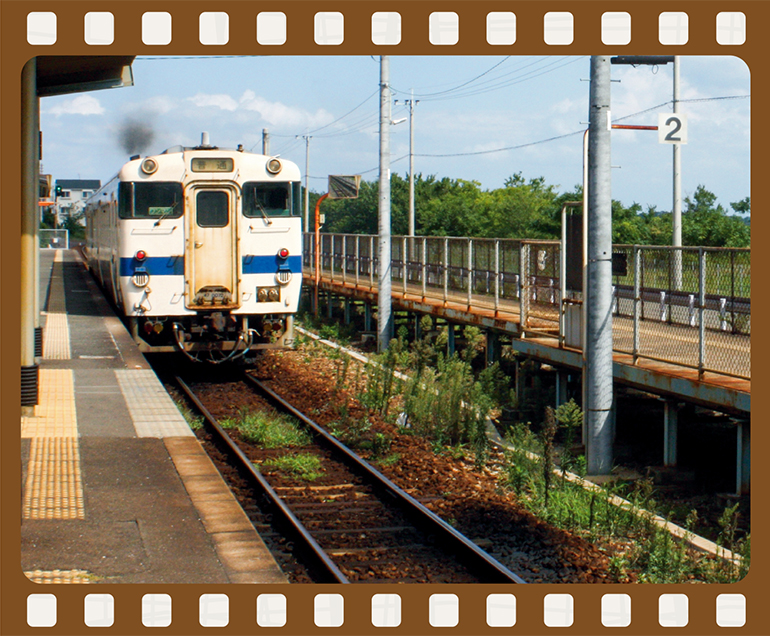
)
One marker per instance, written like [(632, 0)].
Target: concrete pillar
[(670, 428), (347, 311), (493, 347), (30, 140), (367, 317), (561, 387), (417, 326), (743, 458), (517, 381), (450, 343), (329, 305)]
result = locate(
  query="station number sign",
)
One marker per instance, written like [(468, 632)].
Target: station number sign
[(672, 128)]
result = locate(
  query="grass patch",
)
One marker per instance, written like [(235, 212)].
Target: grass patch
[(268, 430), (652, 554), (302, 465), (195, 422), (390, 460)]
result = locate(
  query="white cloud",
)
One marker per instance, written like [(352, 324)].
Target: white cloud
[(274, 113), (159, 105), (224, 102), (80, 105), (279, 114)]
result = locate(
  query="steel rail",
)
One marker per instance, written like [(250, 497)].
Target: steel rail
[(468, 552), (326, 567)]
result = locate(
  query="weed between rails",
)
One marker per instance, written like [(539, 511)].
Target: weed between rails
[(267, 430), (303, 465)]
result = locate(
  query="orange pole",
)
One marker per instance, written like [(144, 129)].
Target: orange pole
[(318, 249)]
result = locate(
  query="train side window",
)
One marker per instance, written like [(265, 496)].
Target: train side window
[(270, 199), (125, 200), (212, 208)]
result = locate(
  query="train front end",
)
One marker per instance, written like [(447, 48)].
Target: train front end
[(210, 244)]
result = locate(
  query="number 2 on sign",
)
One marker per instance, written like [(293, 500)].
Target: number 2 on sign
[(672, 128)]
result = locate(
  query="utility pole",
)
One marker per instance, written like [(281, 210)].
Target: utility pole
[(676, 211), (412, 103), (597, 298), (307, 139), (265, 142), (384, 315)]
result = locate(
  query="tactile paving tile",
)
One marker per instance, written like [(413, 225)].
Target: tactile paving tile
[(152, 410), (56, 333), (56, 339), (48, 577), (54, 489), (55, 412)]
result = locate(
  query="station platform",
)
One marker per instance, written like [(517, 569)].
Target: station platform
[(116, 487)]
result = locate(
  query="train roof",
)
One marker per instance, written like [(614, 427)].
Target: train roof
[(243, 165)]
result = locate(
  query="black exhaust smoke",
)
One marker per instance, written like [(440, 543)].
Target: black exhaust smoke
[(135, 136)]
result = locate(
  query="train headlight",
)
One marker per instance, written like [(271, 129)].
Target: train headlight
[(149, 166), (141, 278), (273, 295), (274, 166)]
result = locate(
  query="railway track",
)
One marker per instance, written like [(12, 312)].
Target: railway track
[(354, 524)]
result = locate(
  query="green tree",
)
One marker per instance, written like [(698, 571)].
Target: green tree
[(743, 206), (706, 222)]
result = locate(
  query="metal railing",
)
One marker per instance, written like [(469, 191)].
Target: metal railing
[(701, 319)]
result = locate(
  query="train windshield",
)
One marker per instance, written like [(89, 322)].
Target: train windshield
[(270, 199), (150, 200)]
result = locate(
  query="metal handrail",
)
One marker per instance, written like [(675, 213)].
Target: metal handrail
[(711, 303)]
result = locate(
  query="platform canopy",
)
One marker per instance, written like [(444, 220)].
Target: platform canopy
[(62, 74)]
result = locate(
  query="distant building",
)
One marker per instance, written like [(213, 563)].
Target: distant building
[(71, 195)]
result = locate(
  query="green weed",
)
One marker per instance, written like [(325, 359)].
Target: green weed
[(195, 422), (303, 465), (268, 431)]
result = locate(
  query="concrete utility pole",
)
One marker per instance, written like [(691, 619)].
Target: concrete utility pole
[(307, 139), (384, 315), (676, 212), (265, 142), (597, 352), (412, 104)]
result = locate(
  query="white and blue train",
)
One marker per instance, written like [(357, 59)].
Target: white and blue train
[(201, 250)]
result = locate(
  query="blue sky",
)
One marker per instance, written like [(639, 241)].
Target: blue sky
[(471, 104)]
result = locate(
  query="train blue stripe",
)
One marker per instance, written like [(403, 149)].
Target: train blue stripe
[(154, 266), (270, 264), (174, 265)]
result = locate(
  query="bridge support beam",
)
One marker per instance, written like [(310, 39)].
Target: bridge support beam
[(743, 458), (561, 387), (347, 310), (670, 430), (450, 341), (367, 317), (329, 301)]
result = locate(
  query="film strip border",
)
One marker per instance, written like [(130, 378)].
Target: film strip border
[(444, 610), (329, 29)]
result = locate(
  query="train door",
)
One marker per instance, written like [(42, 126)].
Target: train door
[(211, 263)]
